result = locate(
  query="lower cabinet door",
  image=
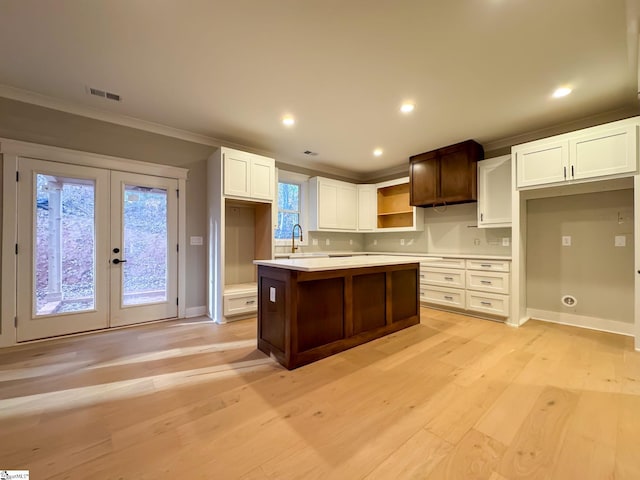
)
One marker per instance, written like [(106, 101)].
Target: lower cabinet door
[(237, 304), (451, 297), (494, 282), (494, 304)]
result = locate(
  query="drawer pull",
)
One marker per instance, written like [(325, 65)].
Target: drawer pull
[(447, 297), (422, 275), (249, 302), (488, 304), (449, 279), (486, 282), (486, 265)]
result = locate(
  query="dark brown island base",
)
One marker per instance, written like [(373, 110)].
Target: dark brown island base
[(311, 308)]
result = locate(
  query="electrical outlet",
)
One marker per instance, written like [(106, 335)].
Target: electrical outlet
[(476, 241), (402, 241), (620, 241), (566, 240), (350, 241), (314, 241), (375, 242), (327, 242), (506, 241)]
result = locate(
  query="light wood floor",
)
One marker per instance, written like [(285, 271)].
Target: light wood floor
[(451, 398)]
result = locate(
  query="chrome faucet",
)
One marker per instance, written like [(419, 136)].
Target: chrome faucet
[(293, 237)]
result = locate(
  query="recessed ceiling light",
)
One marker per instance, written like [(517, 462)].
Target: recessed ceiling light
[(562, 92), (407, 107), (377, 152), (288, 120)]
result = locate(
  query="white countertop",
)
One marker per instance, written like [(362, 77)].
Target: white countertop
[(410, 254), (317, 264)]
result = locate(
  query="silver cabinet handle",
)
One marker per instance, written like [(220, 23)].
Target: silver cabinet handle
[(447, 297), (486, 282), (249, 302), (486, 303), (486, 265), (449, 278)]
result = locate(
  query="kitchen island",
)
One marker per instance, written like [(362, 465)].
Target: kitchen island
[(310, 308)]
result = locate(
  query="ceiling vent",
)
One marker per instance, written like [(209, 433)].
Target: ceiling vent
[(310, 153), (103, 94)]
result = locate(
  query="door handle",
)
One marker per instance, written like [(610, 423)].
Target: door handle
[(116, 261)]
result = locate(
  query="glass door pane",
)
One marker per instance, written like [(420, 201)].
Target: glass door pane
[(63, 249), (64, 266), (144, 275)]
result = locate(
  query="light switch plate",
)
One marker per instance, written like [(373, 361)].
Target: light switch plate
[(315, 241), (566, 240), (272, 294), (327, 242), (195, 240), (620, 241), (506, 241)]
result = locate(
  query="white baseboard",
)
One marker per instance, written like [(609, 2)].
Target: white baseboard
[(592, 323), (191, 312)]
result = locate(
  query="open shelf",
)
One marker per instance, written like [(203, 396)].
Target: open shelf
[(394, 210)]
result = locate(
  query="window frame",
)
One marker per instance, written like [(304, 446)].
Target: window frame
[(284, 176)]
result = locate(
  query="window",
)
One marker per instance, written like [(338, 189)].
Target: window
[(288, 209), (292, 191)]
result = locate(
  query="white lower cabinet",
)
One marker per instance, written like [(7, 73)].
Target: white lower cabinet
[(475, 285), (451, 297), (488, 303), (494, 282), (240, 299)]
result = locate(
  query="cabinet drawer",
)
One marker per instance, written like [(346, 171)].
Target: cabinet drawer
[(237, 304), (488, 303), (443, 262), (444, 277), (451, 297), (495, 282), (489, 265)]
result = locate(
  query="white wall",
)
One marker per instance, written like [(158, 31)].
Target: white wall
[(452, 230)]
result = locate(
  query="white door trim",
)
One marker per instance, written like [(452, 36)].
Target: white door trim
[(87, 159), (11, 150)]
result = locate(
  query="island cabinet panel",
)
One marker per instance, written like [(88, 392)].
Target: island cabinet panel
[(368, 315), (304, 316), (320, 312), (404, 300)]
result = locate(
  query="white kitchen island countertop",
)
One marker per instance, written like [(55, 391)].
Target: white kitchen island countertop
[(318, 264)]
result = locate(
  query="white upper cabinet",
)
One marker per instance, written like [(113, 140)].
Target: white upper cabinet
[(333, 205), (592, 153), (248, 175), (542, 163), (609, 152), (494, 192), (367, 201)]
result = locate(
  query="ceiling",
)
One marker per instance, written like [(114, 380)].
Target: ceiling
[(228, 70)]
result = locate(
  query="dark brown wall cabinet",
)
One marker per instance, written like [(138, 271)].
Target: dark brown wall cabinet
[(445, 176)]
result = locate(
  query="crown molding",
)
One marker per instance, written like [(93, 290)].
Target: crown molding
[(102, 115), (560, 128)]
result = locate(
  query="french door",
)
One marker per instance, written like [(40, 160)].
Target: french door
[(96, 248)]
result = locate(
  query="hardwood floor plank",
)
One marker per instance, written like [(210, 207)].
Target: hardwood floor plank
[(415, 458), (474, 458), (453, 397), (535, 449)]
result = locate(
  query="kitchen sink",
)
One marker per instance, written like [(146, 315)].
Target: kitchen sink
[(307, 255)]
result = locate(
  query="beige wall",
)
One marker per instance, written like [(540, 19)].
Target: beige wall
[(31, 123), (593, 270), (451, 231), (240, 244)]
